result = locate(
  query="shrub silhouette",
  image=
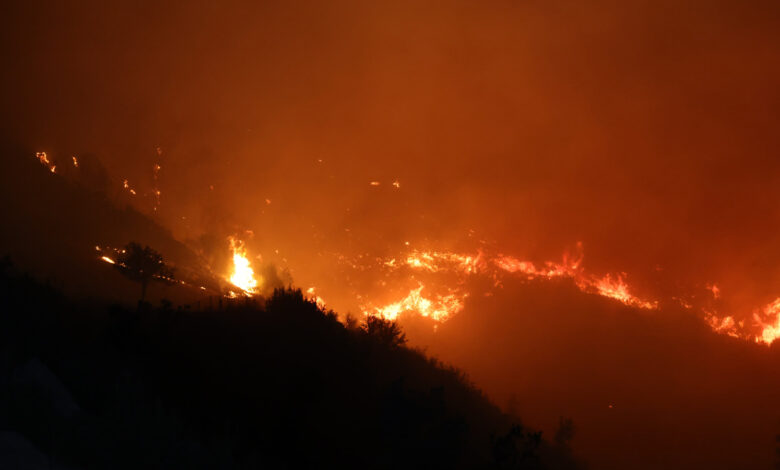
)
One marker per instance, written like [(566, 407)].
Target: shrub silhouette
[(384, 331), (280, 385)]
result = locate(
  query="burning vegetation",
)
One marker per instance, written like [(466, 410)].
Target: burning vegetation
[(439, 281)]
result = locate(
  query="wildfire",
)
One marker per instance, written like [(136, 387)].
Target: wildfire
[(44, 159), (617, 289), (434, 261), (439, 308), (312, 293), (458, 267), (612, 286), (770, 331), (243, 275)]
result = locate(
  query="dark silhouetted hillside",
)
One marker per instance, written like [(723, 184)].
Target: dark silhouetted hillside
[(283, 386)]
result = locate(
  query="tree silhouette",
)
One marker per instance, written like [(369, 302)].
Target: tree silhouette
[(142, 265), (385, 331)]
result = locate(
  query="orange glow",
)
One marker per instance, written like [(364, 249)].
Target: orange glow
[(458, 267), (612, 286), (108, 260), (616, 288), (126, 185), (439, 308), (44, 159), (714, 289), (770, 331), (75, 162), (311, 292), (243, 276)]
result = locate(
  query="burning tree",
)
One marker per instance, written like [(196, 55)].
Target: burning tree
[(142, 265)]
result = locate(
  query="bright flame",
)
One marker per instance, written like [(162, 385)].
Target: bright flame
[(243, 275), (460, 267), (312, 293), (44, 159), (770, 331), (75, 162), (108, 260), (439, 308), (617, 289)]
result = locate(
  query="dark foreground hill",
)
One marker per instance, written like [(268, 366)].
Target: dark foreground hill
[(280, 386)]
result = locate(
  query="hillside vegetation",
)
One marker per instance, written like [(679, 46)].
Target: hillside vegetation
[(283, 385)]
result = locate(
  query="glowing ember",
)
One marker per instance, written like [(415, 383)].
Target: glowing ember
[(75, 162), (243, 275), (126, 185), (108, 260), (156, 191), (44, 159)]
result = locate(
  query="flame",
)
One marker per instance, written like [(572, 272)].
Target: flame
[(243, 275), (617, 289), (108, 260), (770, 331), (439, 308), (611, 286), (764, 329), (44, 159), (75, 161), (459, 267), (312, 292), (435, 261)]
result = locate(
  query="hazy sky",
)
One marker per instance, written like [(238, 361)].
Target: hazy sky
[(646, 130)]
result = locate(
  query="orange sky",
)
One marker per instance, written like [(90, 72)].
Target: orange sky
[(645, 130)]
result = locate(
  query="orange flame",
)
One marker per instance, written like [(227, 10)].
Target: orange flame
[(770, 331), (44, 159), (439, 308), (243, 276), (442, 307)]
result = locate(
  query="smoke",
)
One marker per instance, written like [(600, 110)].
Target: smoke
[(644, 130)]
